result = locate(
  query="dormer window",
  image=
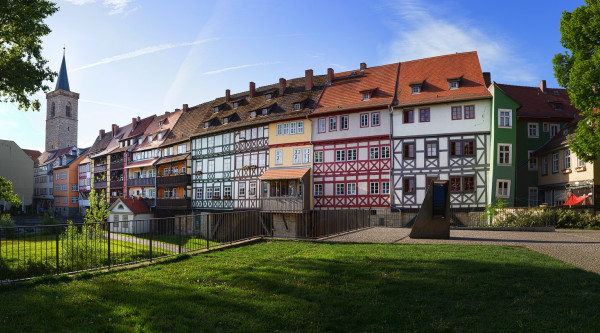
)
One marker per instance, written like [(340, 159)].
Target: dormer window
[(268, 96), (557, 106), (160, 123), (206, 124), (225, 120), (555, 92), (252, 114), (265, 112), (415, 90), (216, 109), (236, 104), (453, 85), (366, 96), (297, 106)]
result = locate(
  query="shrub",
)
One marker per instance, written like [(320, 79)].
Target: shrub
[(537, 217), (49, 218), (81, 246), (7, 223)]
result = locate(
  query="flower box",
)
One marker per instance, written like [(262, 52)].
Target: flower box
[(198, 172), (227, 197), (216, 197), (580, 169), (567, 171)]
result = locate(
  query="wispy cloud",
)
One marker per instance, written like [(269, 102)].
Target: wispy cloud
[(142, 51), (226, 69), (425, 33), (117, 6), (108, 104)]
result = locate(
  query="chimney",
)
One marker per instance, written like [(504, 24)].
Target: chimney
[(363, 66), (133, 122), (138, 118), (185, 107), (252, 89), (227, 95), (543, 86), (101, 133), (329, 75), (487, 78), (308, 79), (282, 84), (115, 129)]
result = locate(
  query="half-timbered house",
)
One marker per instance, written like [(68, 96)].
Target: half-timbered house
[(351, 139), (441, 130)]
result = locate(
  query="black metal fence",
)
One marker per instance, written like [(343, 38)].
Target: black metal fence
[(40, 250)]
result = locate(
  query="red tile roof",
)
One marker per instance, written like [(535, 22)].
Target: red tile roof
[(141, 164), (33, 154), (159, 124), (560, 139), (434, 73), (273, 174), (536, 104), (135, 205), (345, 92)]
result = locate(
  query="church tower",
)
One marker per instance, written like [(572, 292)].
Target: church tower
[(61, 113)]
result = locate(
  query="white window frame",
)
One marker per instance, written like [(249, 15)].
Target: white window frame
[(567, 159), (505, 193), (318, 156), (322, 125), (340, 155), (344, 122), (318, 189), (305, 155), (501, 153), (340, 189), (555, 159), (415, 90), (364, 120), (385, 187), (532, 197), (544, 165), (297, 156), (374, 188), (384, 152), (535, 128), (375, 116), (554, 129), (300, 127), (580, 163), (374, 153), (352, 154), (532, 161), (504, 115), (279, 156)]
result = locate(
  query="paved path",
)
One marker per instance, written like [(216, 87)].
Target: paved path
[(155, 244), (580, 248)]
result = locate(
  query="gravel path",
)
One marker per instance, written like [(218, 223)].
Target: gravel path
[(580, 248)]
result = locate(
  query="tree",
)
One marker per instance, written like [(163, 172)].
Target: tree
[(6, 192), (578, 70), (98, 211), (22, 67)]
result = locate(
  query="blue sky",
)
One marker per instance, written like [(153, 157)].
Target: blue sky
[(141, 57)]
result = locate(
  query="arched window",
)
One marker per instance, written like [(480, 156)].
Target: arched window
[(68, 109), (52, 110)]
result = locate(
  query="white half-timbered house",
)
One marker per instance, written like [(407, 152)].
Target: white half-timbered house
[(441, 130), (351, 139)]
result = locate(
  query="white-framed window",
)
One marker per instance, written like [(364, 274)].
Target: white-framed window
[(262, 159), (385, 152), (352, 155), (252, 114), (74, 200), (182, 148), (554, 128), (300, 127), (56, 176), (242, 189), (226, 191), (554, 162), (318, 189), (74, 187), (211, 165), (375, 119), (374, 153), (374, 188), (278, 156), (503, 188), (63, 187), (533, 130), (340, 155), (533, 196), (318, 157), (567, 159), (296, 155), (385, 187), (504, 118), (209, 192), (63, 175), (339, 189), (366, 96), (321, 125), (504, 153), (332, 124), (199, 193), (580, 163), (364, 120), (544, 165), (297, 106), (532, 164), (305, 155), (252, 189), (453, 85), (351, 189), (415, 90), (344, 122)]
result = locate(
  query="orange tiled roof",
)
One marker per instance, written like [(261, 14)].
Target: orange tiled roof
[(537, 104), (345, 92), (273, 174), (141, 164), (135, 205), (434, 73)]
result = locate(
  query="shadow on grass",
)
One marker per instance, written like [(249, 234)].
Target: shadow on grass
[(323, 287)]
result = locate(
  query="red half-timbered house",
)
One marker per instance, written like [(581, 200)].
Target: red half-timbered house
[(351, 139)]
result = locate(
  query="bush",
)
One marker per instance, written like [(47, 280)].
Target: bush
[(7, 223), (81, 246), (556, 217), (49, 218)]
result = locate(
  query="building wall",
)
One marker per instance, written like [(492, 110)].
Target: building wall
[(61, 131), (354, 125), (69, 199), (17, 167), (563, 176)]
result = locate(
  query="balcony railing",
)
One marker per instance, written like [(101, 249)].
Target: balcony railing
[(173, 203), (116, 184), (282, 204), (212, 204), (100, 184), (99, 168), (179, 180), (141, 182), (117, 165)]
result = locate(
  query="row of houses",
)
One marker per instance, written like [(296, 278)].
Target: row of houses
[(371, 137)]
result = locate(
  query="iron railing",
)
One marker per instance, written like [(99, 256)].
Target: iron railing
[(149, 181)]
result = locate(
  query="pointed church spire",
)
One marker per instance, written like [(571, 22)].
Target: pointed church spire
[(63, 79)]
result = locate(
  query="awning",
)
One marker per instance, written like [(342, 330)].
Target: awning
[(177, 158), (575, 200), (141, 164), (274, 174)]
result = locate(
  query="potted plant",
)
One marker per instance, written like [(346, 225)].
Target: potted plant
[(226, 197), (216, 197), (198, 172)]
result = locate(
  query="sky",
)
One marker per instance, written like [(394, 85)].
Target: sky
[(129, 58)]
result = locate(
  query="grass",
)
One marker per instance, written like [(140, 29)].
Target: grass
[(187, 242), (301, 286)]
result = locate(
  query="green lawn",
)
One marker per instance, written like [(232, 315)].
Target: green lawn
[(301, 286), (190, 243)]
